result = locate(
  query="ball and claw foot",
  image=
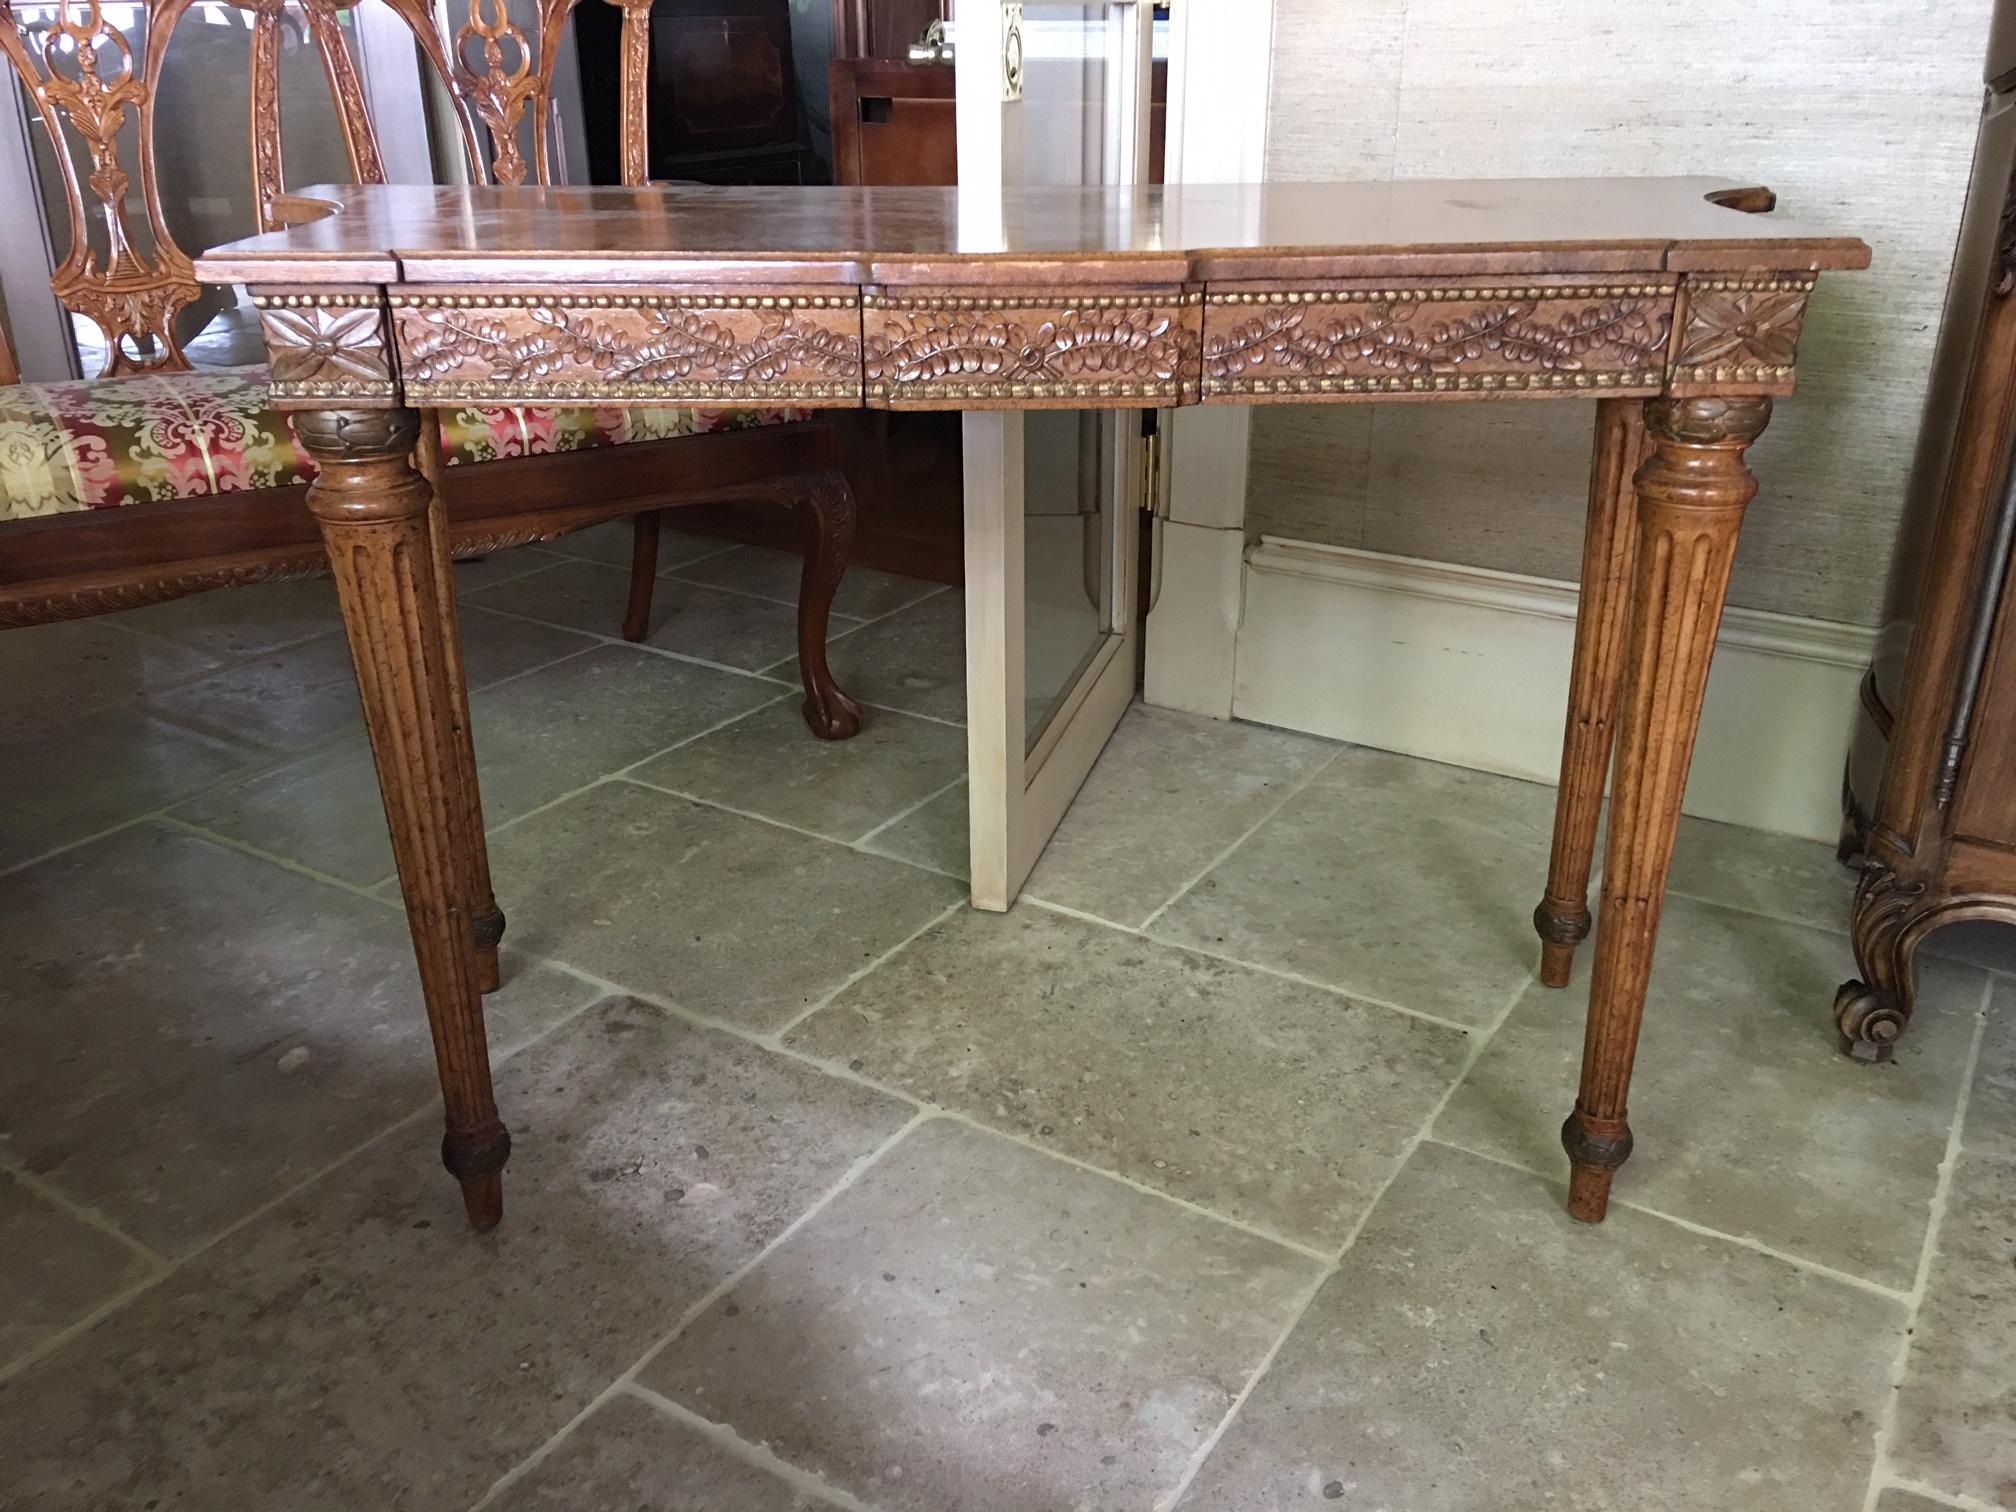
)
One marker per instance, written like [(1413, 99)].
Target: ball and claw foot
[(1869, 1022), (1596, 1148), (1560, 932), (833, 716)]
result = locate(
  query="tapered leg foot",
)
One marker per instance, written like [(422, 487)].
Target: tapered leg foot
[(476, 1159), (1560, 932), (1596, 1148), (644, 530), (487, 929), (1609, 547), (830, 713)]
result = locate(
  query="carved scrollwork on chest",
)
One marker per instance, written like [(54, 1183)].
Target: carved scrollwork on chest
[(1427, 340), (798, 348), (1741, 335), (944, 351)]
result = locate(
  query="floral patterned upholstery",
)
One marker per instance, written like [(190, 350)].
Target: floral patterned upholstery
[(147, 438)]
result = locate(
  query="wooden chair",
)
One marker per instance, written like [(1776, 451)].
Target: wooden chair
[(155, 479)]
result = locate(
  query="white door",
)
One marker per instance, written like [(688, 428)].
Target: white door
[(1048, 93)]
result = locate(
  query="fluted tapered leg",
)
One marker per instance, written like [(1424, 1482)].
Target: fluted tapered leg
[(1609, 546), (486, 919), (1692, 492), (391, 569)]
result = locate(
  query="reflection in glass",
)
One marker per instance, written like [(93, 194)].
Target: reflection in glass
[(1070, 469)]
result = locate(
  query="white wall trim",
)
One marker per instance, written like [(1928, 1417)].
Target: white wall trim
[(1470, 666)]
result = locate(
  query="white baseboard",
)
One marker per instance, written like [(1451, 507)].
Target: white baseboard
[(1470, 666)]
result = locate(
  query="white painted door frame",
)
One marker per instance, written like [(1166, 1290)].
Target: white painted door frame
[(1221, 61)]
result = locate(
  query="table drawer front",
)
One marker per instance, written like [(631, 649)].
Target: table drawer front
[(1366, 339), (646, 346), (973, 349)]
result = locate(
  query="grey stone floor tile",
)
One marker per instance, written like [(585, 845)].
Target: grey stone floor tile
[(864, 593), (537, 737), (936, 835), (914, 661), (726, 916), (359, 1347), (1979, 942), (187, 1031), (58, 670), (610, 543), (1169, 794), (1271, 1102), (1748, 1118), (305, 695), (69, 779), (243, 621), (1780, 876), (771, 764), (974, 1325), (1481, 1349), (54, 1269), (731, 629), (1956, 1413), (1398, 879), (632, 1456)]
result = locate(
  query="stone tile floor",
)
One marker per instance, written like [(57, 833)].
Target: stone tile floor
[(1219, 1174)]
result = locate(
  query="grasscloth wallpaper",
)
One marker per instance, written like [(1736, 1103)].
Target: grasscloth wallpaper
[(1860, 113)]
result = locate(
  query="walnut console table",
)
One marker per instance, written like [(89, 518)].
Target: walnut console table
[(1662, 299)]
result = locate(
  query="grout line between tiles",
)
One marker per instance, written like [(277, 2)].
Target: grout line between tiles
[(83, 1213), (1279, 973), (617, 640), (1928, 1249), (726, 1438), (776, 1036), (171, 1266), (1817, 1268), (1252, 829), (861, 841), (1336, 1262), (1959, 1501), (720, 1289), (245, 848), (772, 1041)]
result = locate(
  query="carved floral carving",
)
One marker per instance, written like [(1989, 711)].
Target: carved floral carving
[(753, 348), (1437, 339), (963, 350), (1741, 332), (327, 350)]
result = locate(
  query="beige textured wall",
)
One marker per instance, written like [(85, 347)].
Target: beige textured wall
[(1860, 113)]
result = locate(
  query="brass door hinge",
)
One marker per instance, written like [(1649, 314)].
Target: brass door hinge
[(1151, 462)]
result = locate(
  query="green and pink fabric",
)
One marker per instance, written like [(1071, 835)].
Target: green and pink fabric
[(104, 443)]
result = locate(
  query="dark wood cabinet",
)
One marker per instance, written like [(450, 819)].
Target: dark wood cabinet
[(724, 98), (1931, 786)]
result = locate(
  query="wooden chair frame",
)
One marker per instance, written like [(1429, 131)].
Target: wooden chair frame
[(83, 78)]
